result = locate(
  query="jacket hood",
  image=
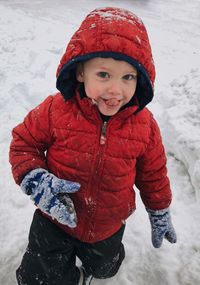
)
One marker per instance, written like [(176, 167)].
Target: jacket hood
[(109, 32)]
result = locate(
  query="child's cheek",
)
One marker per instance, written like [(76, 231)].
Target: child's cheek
[(92, 92)]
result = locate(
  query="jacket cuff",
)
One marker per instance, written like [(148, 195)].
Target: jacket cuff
[(157, 212)]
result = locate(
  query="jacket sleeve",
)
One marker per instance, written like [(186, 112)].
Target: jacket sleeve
[(30, 141), (151, 173)]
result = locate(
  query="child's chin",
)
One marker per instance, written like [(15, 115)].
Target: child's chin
[(108, 110)]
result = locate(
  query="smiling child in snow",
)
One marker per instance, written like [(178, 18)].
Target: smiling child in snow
[(81, 151)]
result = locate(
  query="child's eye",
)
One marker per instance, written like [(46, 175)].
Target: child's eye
[(103, 74), (129, 77)]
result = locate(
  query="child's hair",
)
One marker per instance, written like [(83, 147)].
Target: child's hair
[(109, 33)]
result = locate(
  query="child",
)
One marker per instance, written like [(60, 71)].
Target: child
[(79, 153)]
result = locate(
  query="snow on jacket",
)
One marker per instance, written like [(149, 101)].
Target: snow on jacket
[(64, 135)]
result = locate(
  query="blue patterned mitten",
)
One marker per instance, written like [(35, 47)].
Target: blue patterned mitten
[(161, 226), (50, 195)]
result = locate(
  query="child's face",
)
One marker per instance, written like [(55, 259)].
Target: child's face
[(109, 83)]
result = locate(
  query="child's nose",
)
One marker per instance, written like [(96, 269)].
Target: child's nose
[(114, 88)]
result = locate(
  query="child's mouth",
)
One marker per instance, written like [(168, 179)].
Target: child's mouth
[(111, 102)]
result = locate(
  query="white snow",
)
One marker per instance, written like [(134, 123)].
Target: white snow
[(33, 36)]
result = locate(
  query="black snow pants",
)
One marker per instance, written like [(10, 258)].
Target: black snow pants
[(50, 258)]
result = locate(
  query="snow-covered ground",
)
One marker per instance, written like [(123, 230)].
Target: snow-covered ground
[(33, 36)]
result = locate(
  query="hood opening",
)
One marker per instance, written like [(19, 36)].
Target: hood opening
[(67, 82)]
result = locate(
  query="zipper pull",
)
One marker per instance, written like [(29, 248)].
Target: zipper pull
[(103, 133)]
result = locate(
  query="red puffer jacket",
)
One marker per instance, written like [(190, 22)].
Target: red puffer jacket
[(67, 136), (71, 133)]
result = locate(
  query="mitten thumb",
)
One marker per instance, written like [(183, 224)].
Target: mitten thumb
[(171, 235), (64, 186)]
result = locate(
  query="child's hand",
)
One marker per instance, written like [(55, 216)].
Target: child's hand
[(161, 226), (49, 194)]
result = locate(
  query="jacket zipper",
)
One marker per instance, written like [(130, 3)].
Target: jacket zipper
[(103, 133), (96, 177), (101, 146)]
